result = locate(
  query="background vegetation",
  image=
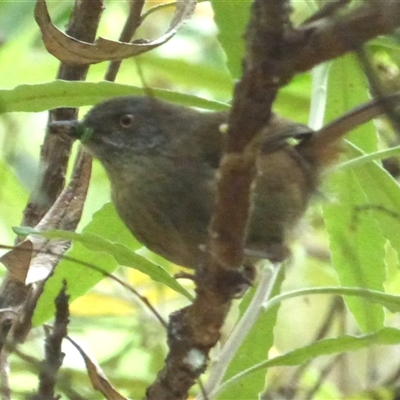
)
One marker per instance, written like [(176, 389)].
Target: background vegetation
[(319, 346)]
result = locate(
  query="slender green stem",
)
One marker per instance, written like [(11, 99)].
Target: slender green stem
[(358, 161), (265, 287)]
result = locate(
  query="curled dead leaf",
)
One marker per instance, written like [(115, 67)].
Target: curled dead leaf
[(97, 376), (72, 51)]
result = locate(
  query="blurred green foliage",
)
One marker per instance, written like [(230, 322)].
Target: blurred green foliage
[(198, 67)]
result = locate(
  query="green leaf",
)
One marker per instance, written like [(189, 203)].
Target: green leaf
[(122, 254), (347, 89), (12, 196), (111, 246), (293, 100), (59, 93), (356, 242), (357, 247), (383, 199), (386, 336), (231, 18), (213, 79), (389, 301)]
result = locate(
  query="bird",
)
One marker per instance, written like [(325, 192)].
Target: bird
[(162, 161)]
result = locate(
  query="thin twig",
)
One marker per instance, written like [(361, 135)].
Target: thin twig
[(53, 354), (131, 24)]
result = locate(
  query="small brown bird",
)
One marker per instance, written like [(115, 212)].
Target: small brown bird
[(162, 159)]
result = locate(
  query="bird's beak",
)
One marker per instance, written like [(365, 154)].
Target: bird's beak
[(72, 128)]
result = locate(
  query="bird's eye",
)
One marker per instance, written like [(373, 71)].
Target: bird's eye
[(126, 120)]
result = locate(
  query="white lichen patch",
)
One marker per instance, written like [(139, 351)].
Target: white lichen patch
[(195, 360)]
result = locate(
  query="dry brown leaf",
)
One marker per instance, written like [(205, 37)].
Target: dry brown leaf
[(72, 51), (97, 376), (18, 259)]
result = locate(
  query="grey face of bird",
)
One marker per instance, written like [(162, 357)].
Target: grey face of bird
[(123, 127)]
